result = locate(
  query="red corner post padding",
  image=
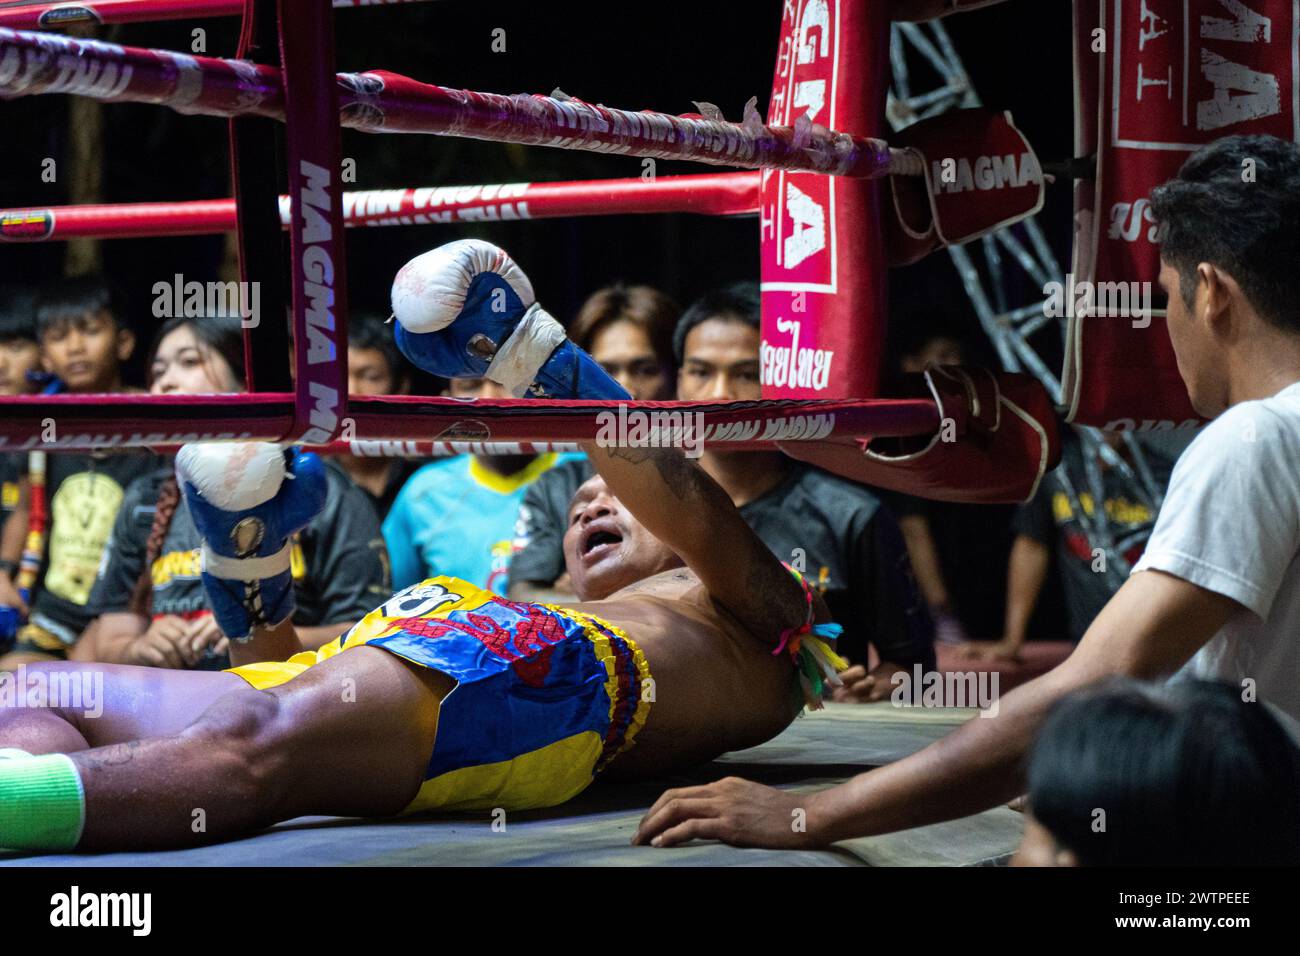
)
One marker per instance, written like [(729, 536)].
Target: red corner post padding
[(1161, 78), (981, 174), (822, 256), (998, 437)]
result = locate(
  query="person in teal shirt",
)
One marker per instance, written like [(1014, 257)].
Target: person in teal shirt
[(457, 516)]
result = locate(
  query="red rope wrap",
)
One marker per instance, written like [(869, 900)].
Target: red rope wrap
[(34, 63)]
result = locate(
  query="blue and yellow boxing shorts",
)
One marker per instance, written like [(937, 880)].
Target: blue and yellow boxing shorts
[(545, 698)]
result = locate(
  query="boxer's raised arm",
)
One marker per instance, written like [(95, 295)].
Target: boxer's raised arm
[(466, 309), (688, 511)]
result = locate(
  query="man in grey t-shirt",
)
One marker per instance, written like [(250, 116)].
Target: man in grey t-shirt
[(1219, 583)]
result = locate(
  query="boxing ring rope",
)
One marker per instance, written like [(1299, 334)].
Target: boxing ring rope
[(379, 101), (32, 16), (311, 99), (711, 194), (159, 421)]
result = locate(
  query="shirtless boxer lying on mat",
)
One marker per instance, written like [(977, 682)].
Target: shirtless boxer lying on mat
[(691, 639)]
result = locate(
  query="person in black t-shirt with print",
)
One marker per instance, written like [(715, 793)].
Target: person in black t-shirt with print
[(849, 546), (149, 597), (1054, 524)]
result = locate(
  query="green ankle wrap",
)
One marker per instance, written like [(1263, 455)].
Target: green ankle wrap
[(42, 803)]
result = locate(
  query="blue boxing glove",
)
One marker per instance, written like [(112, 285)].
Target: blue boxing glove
[(246, 504), (466, 310)]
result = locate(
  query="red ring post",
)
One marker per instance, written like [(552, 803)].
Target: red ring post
[(824, 275), (318, 270)]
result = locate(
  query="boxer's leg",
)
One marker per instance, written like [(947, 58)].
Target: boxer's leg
[(91, 705), (351, 736)]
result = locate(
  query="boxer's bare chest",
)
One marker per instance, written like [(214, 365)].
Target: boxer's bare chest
[(715, 687)]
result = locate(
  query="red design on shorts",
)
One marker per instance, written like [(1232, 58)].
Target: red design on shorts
[(527, 647), (533, 670), (424, 626)]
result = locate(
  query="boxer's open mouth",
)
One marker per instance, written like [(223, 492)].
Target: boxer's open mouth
[(599, 536)]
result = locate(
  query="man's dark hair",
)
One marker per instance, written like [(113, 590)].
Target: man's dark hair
[(739, 302), (1187, 774), (650, 310), (17, 313), (369, 331), (67, 299), (1236, 204)]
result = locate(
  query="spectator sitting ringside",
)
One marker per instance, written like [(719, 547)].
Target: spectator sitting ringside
[(85, 343), (151, 604), (457, 516)]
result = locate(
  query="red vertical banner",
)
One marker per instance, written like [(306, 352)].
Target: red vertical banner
[(1156, 80), (823, 266)]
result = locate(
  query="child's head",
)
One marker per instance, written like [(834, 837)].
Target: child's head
[(1135, 774), (196, 356), (20, 354), (375, 366), (82, 338)]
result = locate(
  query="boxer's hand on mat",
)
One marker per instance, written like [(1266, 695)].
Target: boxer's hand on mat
[(735, 811), (466, 310), (165, 643)]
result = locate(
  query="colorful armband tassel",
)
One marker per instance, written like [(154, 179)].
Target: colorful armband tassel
[(816, 662)]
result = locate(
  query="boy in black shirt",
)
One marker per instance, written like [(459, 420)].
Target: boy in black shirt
[(84, 345)]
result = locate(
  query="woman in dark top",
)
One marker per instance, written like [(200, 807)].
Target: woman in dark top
[(149, 596)]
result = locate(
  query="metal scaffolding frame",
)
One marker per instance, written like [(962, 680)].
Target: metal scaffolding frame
[(1010, 325)]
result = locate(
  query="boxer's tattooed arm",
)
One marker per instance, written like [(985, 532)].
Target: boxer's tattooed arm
[(780, 597), (682, 506), (681, 476)]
